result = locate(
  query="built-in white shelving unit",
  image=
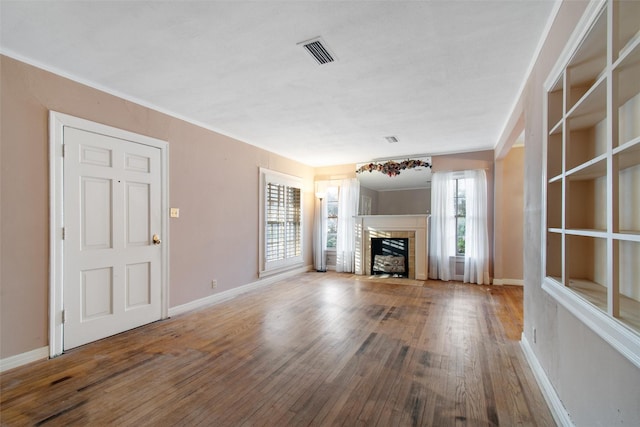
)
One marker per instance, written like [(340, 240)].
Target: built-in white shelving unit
[(592, 185)]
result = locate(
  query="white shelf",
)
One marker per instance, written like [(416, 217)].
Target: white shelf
[(594, 168), (586, 232), (591, 108), (628, 25), (627, 236), (557, 128), (633, 144), (557, 178), (593, 188), (628, 154), (628, 70)]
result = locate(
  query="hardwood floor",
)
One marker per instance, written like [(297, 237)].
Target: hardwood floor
[(316, 349)]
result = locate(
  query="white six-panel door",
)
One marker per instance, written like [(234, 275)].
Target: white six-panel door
[(112, 259)]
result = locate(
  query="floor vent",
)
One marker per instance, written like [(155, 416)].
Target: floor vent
[(318, 50)]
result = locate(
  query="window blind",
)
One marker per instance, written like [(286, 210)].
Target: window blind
[(283, 227)]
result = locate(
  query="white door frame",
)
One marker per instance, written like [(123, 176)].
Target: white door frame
[(57, 123)]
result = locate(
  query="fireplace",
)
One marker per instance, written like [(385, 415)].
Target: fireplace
[(410, 227), (390, 256)]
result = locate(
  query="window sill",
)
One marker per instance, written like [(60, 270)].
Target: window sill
[(620, 337)]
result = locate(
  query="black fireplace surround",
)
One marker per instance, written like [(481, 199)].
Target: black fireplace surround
[(390, 255)]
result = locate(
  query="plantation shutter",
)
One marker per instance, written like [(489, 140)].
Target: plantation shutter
[(293, 223), (282, 221), (275, 222)]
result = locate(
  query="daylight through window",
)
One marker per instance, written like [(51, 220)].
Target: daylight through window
[(282, 220)]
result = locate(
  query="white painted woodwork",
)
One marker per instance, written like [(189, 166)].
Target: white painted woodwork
[(112, 207), (592, 161)]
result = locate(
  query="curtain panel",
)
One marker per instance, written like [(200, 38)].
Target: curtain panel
[(476, 256), (319, 231), (442, 243), (443, 225), (347, 210)]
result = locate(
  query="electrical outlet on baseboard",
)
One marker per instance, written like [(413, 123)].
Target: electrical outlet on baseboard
[(214, 284)]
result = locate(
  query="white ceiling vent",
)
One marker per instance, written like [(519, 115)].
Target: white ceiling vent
[(318, 49)]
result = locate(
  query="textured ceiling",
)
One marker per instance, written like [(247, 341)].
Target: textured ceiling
[(441, 76)]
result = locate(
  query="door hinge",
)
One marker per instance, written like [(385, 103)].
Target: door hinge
[(63, 233), (64, 316), (63, 149)]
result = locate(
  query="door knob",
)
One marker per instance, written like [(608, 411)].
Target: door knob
[(156, 239)]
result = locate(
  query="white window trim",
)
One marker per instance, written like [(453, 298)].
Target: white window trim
[(274, 267), (618, 335)]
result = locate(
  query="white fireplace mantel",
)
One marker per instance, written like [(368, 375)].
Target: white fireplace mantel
[(415, 223)]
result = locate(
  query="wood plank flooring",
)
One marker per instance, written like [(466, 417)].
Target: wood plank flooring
[(321, 349)]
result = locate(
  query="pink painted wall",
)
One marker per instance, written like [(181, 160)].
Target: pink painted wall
[(213, 180)]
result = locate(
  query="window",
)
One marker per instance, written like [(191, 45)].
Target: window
[(332, 217), (460, 206), (281, 213), (592, 250), (459, 226)]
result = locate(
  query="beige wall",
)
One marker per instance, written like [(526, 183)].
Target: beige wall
[(213, 180), (328, 173), (404, 202), (509, 216)]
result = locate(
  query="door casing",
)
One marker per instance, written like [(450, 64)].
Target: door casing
[(57, 123)]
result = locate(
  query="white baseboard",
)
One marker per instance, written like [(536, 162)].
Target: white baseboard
[(24, 358), (517, 282), (560, 414), (232, 293)]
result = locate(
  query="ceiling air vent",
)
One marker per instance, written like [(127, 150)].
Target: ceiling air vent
[(318, 49), (391, 139)]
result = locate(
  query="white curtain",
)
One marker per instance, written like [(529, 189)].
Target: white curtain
[(476, 254), (443, 225), (319, 229), (442, 242), (346, 239)]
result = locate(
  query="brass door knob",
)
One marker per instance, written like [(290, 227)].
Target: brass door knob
[(156, 239)]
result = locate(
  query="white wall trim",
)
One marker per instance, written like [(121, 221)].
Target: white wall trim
[(560, 414), (232, 293), (24, 358), (516, 282)]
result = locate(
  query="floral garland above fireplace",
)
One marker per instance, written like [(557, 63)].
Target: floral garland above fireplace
[(392, 168)]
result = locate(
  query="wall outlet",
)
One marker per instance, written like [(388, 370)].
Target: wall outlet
[(534, 335), (214, 284)]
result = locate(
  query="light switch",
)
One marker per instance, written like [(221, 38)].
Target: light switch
[(174, 212)]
